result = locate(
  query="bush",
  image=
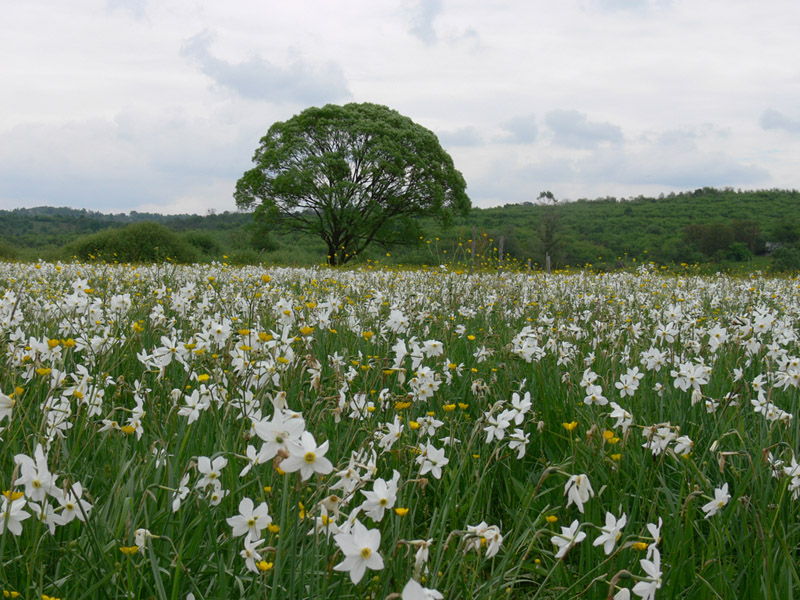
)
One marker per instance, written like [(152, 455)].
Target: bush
[(785, 259), (738, 251), (140, 242), (245, 257), (203, 242), (8, 252)]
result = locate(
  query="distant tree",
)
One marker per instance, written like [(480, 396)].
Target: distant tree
[(785, 231), (786, 259), (710, 239), (551, 233), (748, 233), (353, 175), (738, 251)]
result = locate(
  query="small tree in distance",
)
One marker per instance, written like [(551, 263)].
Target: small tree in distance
[(551, 234), (353, 175)]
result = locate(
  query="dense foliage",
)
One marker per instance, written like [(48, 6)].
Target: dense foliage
[(706, 226), (353, 175), (141, 242)]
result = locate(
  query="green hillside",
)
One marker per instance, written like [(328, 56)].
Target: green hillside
[(704, 226)]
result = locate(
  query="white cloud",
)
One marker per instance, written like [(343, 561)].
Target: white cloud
[(100, 108), (259, 79), (136, 8), (520, 130), (464, 136), (772, 119), (422, 16), (573, 129), (658, 165), (131, 160), (627, 5), (200, 199)]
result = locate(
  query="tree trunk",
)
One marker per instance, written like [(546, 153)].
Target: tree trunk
[(472, 254), (500, 252)]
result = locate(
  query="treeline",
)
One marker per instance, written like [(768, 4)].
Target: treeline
[(711, 226), (707, 225)]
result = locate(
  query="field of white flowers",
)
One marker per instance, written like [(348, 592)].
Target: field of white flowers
[(216, 432)]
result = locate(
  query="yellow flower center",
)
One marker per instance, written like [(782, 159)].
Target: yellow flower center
[(366, 553), (310, 457)]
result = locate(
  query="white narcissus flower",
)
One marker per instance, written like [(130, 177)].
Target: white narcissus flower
[(216, 494), (140, 537), (254, 458), (73, 505), (568, 538), (647, 589), (721, 497), (623, 417), (432, 460), (518, 441), (250, 553), (578, 490), (250, 520), (210, 470), (415, 591), (6, 406), (12, 515), (46, 514), (480, 534), (180, 495), (307, 457), (360, 547), (654, 529), (611, 532), (277, 432), (382, 497), (35, 475)]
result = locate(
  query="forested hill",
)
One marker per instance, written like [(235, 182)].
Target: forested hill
[(700, 226), (688, 227)]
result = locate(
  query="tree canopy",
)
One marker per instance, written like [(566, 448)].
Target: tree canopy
[(354, 175)]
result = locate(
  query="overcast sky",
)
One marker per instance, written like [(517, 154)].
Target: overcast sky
[(158, 105)]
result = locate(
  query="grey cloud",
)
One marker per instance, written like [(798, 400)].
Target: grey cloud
[(423, 14), (663, 166), (259, 79), (505, 184), (677, 138), (635, 6), (687, 138), (648, 167), (465, 136), (772, 119), (573, 130), (137, 8), (123, 163), (521, 130)]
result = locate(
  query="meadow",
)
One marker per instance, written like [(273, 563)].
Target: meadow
[(210, 431)]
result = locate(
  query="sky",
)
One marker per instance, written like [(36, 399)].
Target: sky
[(159, 105)]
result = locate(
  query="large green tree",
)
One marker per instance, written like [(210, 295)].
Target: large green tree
[(354, 175)]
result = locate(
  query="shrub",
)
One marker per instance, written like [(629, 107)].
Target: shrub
[(8, 252), (204, 242), (140, 242), (738, 251), (245, 257), (786, 258)]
